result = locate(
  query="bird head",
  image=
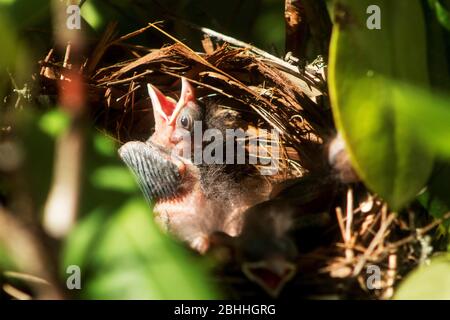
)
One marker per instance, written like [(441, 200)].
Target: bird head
[(174, 120), (160, 163), (193, 199)]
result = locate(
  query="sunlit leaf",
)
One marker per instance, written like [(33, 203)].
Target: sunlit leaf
[(428, 115), (383, 148), (428, 282), (114, 178), (54, 122), (92, 16)]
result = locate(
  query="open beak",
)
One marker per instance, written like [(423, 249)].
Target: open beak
[(272, 274), (166, 107), (158, 172)]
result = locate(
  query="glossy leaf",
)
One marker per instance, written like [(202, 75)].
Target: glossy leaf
[(427, 115), (383, 148)]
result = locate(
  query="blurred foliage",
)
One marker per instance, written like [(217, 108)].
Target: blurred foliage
[(389, 96), (428, 282), (123, 256), (439, 187), (438, 39), (393, 123), (121, 252), (442, 12), (390, 100), (366, 69)]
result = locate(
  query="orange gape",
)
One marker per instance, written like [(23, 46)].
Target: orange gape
[(180, 190)]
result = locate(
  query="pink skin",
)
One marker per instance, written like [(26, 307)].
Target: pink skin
[(190, 216)]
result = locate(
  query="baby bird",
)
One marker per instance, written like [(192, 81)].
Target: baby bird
[(276, 230), (191, 200)]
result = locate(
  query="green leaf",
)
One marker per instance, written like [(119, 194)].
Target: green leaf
[(438, 53), (54, 122), (105, 145), (5, 260), (364, 64), (127, 257), (114, 178), (92, 15), (39, 149), (27, 13), (8, 39), (428, 115), (439, 190), (442, 14), (427, 282)]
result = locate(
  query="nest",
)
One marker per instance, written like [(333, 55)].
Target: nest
[(264, 92), (366, 240), (365, 254)]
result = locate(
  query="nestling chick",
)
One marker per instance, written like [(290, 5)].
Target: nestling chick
[(191, 200), (268, 246)]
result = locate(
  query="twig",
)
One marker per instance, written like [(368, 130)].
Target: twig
[(200, 84), (62, 203), (348, 226), (16, 293), (238, 43), (418, 233), (25, 277), (47, 59), (308, 81), (146, 72), (134, 33), (390, 277), (340, 222), (101, 48), (375, 241), (66, 58), (126, 95)]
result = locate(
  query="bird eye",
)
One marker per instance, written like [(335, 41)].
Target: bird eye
[(185, 121), (187, 117)]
